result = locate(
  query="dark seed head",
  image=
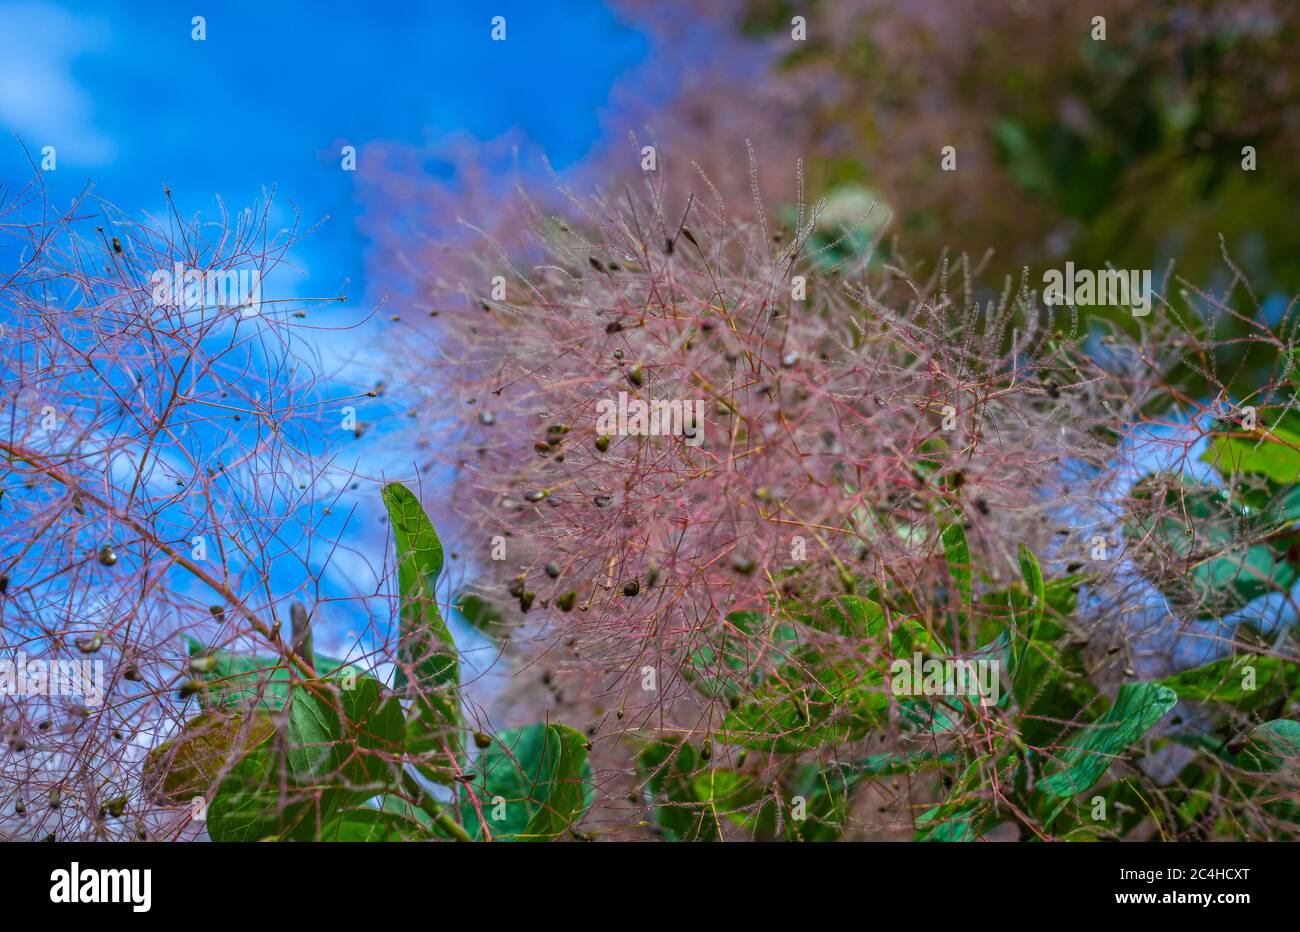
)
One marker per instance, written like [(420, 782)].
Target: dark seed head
[(632, 588), (91, 644), (115, 807), (743, 566)]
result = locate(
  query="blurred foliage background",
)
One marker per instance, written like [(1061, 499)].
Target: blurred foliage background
[(1127, 149)]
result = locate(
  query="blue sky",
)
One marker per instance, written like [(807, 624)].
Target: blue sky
[(131, 102)]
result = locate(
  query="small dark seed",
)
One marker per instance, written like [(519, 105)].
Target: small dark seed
[(91, 644)]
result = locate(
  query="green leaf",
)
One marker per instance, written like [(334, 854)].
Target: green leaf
[(963, 814), (896, 762), (532, 783), (1091, 751), (810, 704), (409, 820), (1038, 592), (910, 636), (1216, 536), (255, 801), (669, 766), (826, 793), (296, 790), (238, 682), (1051, 687), (1228, 679), (1272, 746), (374, 739), (1000, 607), (958, 825), (728, 659), (426, 646), (190, 764), (957, 552), (315, 730), (731, 795), (482, 614), (849, 616), (930, 716), (371, 825), (1273, 452), (1027, 621)]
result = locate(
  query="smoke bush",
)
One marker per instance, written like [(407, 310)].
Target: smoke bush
[(839, 424), (163, 476), (855, 405)]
